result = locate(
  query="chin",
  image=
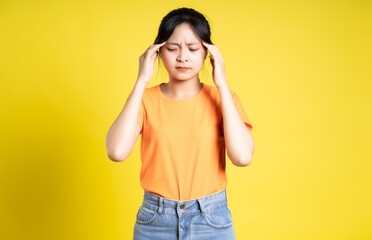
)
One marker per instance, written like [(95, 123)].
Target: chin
[(182, 77)]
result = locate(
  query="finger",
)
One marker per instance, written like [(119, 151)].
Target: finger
[(160, 45), (153, 48), (212, 51), (207, 46), (210, 46), (215, 53), (212, 62), (157, 46)]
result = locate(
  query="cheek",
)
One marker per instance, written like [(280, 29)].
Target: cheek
[(200, 59), (164, 57), (167, 62)]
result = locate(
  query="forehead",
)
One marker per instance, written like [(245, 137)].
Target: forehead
[(184, 32), (187, 43)]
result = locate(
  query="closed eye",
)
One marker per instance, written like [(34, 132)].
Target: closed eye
[(171, 49)]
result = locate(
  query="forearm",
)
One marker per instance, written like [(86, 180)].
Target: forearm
[(238, 139), (121, 136)]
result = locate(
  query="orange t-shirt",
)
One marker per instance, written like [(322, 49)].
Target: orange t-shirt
[(182, 143)]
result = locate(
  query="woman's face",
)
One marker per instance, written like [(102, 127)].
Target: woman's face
[(183, 54)]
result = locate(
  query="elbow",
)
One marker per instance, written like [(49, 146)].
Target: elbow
[(116, 156), (241, 156), (118, 153), (242, 161), (246, 159)]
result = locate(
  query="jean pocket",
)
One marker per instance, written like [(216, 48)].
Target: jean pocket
[(219, 218), (145, 215)]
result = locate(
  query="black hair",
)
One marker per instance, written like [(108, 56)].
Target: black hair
[(184, 15)]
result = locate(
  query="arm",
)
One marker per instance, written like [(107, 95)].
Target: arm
[(124, 132), (238, 139)]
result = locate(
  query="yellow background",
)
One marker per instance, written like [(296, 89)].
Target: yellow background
[(301, 69)]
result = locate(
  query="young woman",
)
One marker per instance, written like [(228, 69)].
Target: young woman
[(186, 127)]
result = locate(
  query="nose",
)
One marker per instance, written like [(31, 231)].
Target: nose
[(182, 56)]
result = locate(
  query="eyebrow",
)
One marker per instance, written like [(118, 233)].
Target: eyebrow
[(174, 43)]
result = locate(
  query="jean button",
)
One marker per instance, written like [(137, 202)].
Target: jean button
[(182, 206)]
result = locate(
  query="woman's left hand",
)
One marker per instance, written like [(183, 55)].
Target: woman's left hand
[(218, 64)]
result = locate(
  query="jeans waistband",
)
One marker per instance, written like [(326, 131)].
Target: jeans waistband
[(200, 205)]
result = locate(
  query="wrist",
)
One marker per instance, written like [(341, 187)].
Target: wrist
[(222, 86), (141, 84)]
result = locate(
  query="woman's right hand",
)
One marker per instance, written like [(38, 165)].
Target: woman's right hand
[(146, 63)]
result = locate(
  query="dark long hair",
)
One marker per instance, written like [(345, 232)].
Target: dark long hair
[(184, 15)]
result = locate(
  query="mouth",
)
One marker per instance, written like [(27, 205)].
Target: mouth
[(183, 69)]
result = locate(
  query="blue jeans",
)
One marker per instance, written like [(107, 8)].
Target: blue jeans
[(199, 219)]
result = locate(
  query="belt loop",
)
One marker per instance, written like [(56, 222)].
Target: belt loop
[(160, 205), (201, 206)]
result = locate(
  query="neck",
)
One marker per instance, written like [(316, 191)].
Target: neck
[(182, 89)]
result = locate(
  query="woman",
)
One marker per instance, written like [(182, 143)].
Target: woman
[(186, 126)]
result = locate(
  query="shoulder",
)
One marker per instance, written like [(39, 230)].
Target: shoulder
[(212, 91), (152, 89), (150, 92)]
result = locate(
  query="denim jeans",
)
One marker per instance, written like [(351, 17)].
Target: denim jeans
[(203, 218)]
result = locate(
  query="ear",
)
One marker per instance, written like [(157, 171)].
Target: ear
[(206, 52), (159, 52)]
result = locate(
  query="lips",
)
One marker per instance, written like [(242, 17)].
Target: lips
[(183, 68)]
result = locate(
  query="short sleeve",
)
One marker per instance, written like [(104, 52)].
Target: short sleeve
[(241, 111), (141, 115)]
